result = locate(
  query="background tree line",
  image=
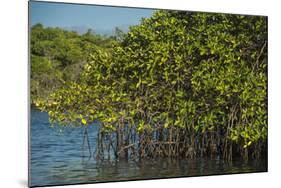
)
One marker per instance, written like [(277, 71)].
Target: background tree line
[(58, 56)]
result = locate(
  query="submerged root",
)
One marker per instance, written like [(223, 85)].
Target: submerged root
[(130, 145)]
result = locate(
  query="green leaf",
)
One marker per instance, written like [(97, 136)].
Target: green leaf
[(84, 122)]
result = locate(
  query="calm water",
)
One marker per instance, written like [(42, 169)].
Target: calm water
[(57, 158)]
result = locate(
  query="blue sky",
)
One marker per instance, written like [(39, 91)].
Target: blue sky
[(95, 17)]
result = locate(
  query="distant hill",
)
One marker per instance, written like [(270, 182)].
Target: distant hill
[(79, 29), (83, 29)]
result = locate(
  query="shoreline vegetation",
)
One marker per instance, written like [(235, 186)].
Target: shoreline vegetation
[(179, 84)]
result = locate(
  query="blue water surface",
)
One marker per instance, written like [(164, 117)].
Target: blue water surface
[(57, 158)]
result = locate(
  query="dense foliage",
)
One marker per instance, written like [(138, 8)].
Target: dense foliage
[(58, 56), (179, 84)]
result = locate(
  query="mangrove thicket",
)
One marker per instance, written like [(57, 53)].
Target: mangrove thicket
[(179, 84)]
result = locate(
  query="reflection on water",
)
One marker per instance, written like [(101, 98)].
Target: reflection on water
[(57, 158)]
